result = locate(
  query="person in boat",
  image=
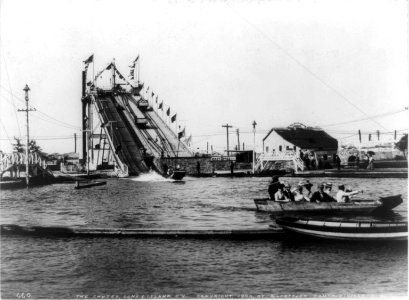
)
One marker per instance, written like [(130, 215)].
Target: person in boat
[(307, 185), (298, 193), (280, 196), (287, 191), (165, 168), (320, 195), (344, 196), (273, 186)]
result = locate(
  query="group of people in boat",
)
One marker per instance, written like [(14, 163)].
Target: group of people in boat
[(283, 192)]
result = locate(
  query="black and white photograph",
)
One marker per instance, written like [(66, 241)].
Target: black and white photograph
[(204, 149)]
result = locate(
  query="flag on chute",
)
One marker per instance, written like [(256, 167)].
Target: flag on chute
[(88, 61), (188, 140), (181, 134), (173, 119)]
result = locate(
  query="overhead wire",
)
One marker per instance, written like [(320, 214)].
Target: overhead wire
[(44, 115), (9, 82), (313, 74)]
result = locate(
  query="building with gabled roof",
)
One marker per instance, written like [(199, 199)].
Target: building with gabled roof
[(311, 144)]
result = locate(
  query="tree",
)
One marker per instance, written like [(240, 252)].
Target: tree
[(33, 147), (18, 146), (402, 145)]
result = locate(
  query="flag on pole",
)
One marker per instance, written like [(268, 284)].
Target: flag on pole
[(181, 134), (359, 134), (168, 112), (188, 140), (136, 59), (156, 98), (173, 119), (88, 61)]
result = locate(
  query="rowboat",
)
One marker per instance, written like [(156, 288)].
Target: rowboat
[(359, 206), (345, 230), (88, 184)]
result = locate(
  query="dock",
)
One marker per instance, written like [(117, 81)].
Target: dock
[(55, 231)]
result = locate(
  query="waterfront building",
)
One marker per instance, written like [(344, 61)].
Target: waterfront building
[(298, 146)]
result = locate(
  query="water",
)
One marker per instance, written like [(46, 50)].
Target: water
[(67, 267)]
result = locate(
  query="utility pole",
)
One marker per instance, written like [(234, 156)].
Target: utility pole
[(227, 131), (26, 89), (238, 139), (254, 144), (75, 143)]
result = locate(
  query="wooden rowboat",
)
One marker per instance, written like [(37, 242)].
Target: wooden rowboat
[(367, 206), (88, 184), (345, 230)]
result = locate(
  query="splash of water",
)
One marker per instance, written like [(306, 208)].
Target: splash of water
[(150, 176)]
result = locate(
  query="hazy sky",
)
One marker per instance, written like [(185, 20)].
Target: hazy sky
[(214, 62)]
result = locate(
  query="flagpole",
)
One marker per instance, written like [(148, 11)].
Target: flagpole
[(93, 70)]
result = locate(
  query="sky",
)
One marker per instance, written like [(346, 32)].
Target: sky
[(341, 65)]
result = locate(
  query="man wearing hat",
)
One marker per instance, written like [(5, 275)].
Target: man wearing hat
[(287, 192), (321, 195), (343, 196), (273, 186)]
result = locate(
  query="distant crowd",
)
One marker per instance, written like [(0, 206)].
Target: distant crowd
[(283, 192)]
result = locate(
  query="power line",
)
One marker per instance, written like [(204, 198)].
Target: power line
[(43, 114), (303, 66), (8, 77)]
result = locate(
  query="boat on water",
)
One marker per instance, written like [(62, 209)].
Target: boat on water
[(345, 230), (88, 184), (355, 206), (177, 174)]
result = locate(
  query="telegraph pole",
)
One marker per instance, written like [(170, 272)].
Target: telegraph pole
[(26, 89), (75, 143), (238, 139), (227, 130), (254, 144)]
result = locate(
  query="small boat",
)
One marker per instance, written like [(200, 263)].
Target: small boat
[(88, 184), (359, 206), (176, 174), (345, 230)]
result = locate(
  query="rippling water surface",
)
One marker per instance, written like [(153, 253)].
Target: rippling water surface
[(64, 268)]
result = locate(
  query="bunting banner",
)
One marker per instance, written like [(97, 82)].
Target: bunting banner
[(153, 94), (173, 119), (181, 134), (168, 112), (161, 105)]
